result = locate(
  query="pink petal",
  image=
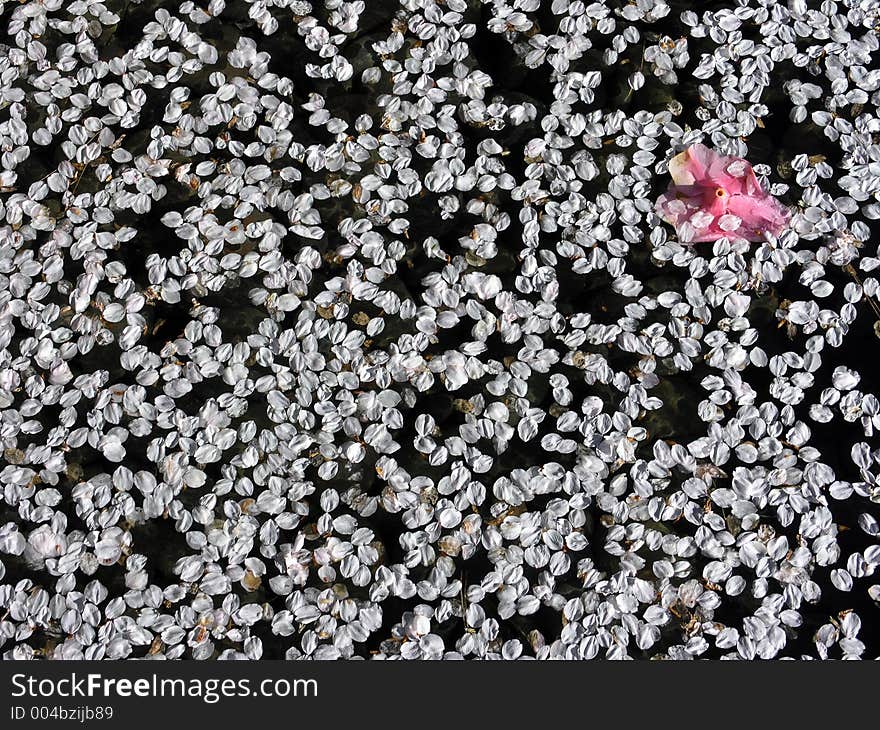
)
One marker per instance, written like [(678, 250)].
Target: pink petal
[(741, 177), (709, 192), (692, 165), (675, 205), (759, 214)]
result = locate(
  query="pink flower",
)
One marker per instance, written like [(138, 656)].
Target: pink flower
[(712, 196)]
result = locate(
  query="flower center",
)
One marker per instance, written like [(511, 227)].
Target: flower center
[(720, 192)]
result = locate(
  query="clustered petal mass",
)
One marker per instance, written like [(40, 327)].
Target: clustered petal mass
[(338, 329), (713, 196)]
